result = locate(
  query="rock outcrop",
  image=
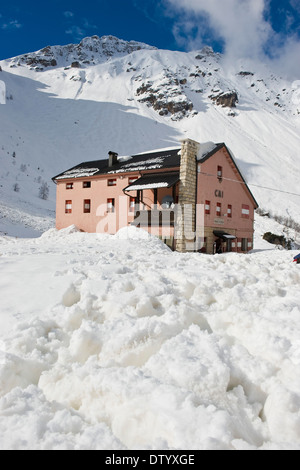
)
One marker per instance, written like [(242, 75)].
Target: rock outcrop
[(226, 99), (166, 98)]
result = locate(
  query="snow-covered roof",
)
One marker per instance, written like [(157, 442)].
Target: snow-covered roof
[(78, 173), (153, 160), (205, 148), (153, 181)]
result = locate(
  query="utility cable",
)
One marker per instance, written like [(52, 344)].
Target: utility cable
[(251, 184)]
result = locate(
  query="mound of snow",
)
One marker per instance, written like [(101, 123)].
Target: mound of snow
[(118, 344), (132, 233), (138, 234), (54, 233)]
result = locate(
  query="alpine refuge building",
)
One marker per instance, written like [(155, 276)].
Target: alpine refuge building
[(193, 197)]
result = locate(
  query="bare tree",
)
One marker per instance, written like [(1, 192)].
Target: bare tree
[(44, 191)]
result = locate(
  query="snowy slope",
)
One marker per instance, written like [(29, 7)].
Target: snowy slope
[(67, 104)]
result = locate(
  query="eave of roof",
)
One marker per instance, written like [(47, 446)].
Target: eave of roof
[(152, 181)]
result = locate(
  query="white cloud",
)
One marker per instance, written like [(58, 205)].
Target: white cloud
[(80, 31), (286, 58), (296, 4), (88, 25), (11, 25), (241, 25), (76, 31), (68, 14)]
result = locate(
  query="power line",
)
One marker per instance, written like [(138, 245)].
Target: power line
[(252, 184), (273, 189)]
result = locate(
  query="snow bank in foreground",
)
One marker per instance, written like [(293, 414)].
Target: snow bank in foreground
[(141, 237), (54, 233), (117, 343)]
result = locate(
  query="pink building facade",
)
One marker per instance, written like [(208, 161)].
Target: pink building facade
[(193, 200)]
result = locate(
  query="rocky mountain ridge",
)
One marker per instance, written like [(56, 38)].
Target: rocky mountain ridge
[(90, 51)]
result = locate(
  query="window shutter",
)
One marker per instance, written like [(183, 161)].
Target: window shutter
[(207, 207), (245, 211), (68, 207), (131, 204), (110, 205), (87, 206), (132, 179)]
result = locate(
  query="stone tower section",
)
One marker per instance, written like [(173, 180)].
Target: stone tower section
[(186, 212)]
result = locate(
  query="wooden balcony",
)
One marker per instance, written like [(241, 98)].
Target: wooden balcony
[(154, 218)]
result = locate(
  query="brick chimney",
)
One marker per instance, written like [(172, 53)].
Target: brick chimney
[(112, 158), (186, 216)]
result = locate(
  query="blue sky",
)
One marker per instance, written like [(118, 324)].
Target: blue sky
[(258, 28)]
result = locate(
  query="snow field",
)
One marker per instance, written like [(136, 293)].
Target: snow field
[(117, 343), (2, 92)]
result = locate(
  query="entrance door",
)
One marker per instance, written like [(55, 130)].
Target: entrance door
[(229, 245)]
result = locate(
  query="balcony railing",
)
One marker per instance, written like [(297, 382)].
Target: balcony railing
[(154, 218)]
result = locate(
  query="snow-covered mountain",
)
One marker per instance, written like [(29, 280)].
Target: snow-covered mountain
[(67, 104), (114, 343)]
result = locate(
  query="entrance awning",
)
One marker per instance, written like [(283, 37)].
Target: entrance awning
[(223, 235), (154, 181)]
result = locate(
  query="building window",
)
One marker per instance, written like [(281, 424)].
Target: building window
[(244, 244), (131, 204), (68, 207), (218, 209), (132, 180), (207, 207), (229, 211), (219, 172), (245, 211), (112, 182), (86, 184), (69, 186), (87, 206), (110, 205)]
